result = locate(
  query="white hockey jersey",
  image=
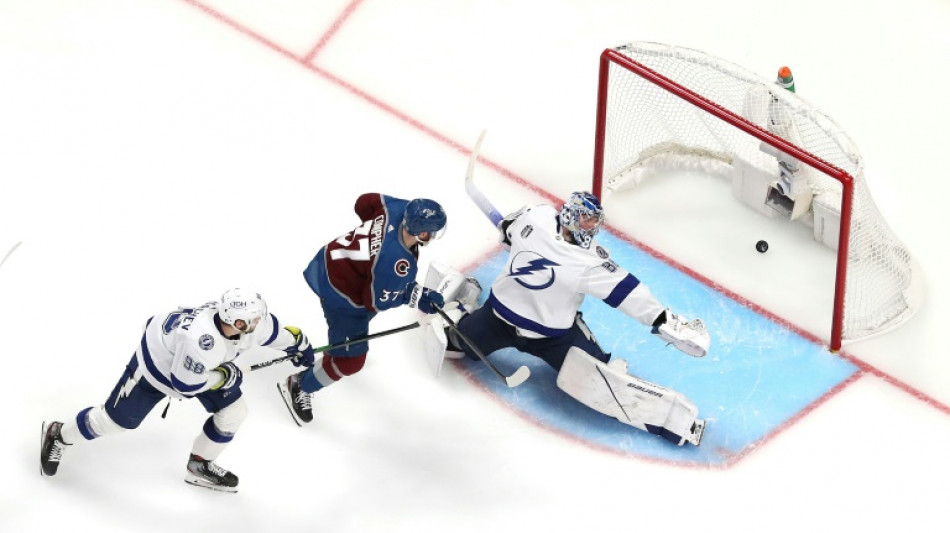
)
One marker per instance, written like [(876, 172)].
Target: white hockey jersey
[(179, 349), (547, 277)]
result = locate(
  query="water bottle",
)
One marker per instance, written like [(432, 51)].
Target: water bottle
[(785, 79)]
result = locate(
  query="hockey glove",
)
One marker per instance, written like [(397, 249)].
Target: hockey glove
[(688, 336), (423, 299), (232, 376), (507, 221), (303, 354)]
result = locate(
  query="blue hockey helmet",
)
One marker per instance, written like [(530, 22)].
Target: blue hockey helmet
[(582, 215), (424, 216)]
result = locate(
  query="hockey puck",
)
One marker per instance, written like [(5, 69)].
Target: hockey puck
[(762, 246)]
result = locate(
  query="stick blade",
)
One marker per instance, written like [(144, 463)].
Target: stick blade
[(520, 376)]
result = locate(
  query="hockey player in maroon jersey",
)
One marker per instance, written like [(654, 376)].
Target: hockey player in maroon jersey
[(368, 270)]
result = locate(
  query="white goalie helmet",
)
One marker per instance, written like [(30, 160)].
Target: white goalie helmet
[(244, 305), (582, 215)]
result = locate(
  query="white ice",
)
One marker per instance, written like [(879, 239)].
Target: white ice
[(154, 153)]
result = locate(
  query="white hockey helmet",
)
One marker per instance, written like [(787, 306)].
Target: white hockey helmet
[(242, 305), (583, 216)]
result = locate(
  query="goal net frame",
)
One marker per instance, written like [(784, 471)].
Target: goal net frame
[(613, 57)]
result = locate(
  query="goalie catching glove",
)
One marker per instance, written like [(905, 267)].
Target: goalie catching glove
[(302, 352), (422, 298), (689, 337)]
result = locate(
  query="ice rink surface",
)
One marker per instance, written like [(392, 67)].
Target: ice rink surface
[(154, 153)]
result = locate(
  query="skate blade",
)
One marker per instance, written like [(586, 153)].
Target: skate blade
[(285, 395), (199, 482), (42, 440)]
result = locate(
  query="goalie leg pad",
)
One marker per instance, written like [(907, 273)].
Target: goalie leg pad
[(608, 389), (439, 341)]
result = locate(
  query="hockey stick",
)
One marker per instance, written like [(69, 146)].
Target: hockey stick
[(371, 336), (473, 192), (520, 375), (15, 246)]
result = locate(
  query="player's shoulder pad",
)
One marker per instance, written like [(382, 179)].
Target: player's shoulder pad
[(203, 335)]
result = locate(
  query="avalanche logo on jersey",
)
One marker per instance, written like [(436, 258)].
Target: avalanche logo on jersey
[(532, 271), (401, 267)]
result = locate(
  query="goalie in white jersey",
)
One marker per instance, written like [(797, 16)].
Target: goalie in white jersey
[(185, 353), (533, 306)]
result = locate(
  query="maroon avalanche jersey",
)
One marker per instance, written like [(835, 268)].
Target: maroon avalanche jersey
[(370, 266)]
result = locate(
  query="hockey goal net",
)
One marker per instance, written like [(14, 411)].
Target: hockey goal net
[(662, 107)]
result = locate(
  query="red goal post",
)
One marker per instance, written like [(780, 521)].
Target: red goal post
[(660, 101)]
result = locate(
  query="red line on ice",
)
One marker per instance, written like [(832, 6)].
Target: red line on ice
[(404, 117)]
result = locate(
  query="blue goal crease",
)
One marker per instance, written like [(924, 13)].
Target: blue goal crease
[(758, 374)]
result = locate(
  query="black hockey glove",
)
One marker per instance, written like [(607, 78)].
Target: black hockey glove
[(302, 352), (232, 376)]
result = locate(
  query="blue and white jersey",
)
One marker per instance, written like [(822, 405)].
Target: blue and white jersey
[(179, 349), (547, 277)]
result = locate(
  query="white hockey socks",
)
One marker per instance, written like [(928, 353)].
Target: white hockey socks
[(96, 422), (224, 424)]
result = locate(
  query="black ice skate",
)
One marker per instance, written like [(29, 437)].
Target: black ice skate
[(203, 473), (296, 399), (51, 448)]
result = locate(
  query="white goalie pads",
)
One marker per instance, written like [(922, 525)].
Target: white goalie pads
[(608, 389), (453, 285), (461, 296), (688, 336), (435, 342)]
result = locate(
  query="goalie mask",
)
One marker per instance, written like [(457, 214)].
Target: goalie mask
[(582, 215), (424, 216), (242, 305)]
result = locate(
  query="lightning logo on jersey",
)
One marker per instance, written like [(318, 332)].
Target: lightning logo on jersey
[(533, 267)]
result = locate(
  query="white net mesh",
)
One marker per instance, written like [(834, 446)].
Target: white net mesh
[(649, 128)]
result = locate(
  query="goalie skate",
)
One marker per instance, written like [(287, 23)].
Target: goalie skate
[(696, 435)]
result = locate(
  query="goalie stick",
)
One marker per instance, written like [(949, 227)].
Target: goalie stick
[(473, 192), (371, 336), (495, 217), (520, 375)]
